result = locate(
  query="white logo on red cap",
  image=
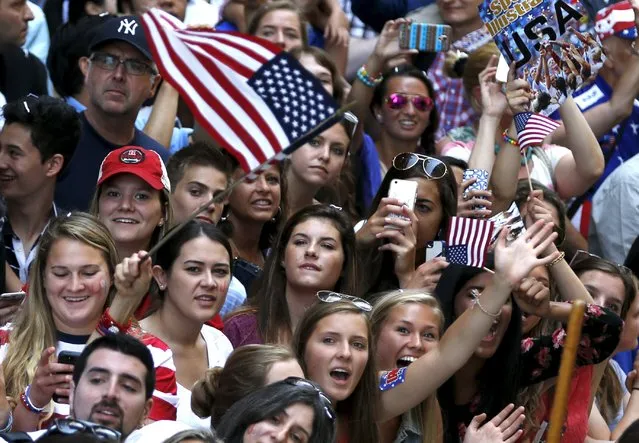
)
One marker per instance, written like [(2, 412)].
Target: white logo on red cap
[(129, 26), (132, 157)]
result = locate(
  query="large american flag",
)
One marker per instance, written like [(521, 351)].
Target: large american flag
[(254, 99), (468, 241), (532, 129)]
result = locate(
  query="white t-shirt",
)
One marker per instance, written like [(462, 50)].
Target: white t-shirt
[(218, 348)]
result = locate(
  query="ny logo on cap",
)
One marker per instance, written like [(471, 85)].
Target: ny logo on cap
[(129, 26)]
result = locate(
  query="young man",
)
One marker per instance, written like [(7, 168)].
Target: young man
[(36, 143), (197, 173), (119, 77), (113, 382)]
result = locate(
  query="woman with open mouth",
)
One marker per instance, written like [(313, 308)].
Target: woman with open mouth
[(336, 347), (315, 251)]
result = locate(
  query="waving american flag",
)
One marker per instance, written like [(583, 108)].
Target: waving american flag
[(532, 129), (468, 240), (254, 99)]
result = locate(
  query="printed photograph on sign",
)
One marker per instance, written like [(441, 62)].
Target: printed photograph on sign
[(553, 44)]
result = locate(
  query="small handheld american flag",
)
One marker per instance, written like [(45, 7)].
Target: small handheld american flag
[(468, 241), (532, 129)]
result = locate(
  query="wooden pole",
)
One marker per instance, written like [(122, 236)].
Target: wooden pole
[(560, 402)]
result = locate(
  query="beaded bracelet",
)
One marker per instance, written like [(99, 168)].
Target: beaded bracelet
[(509, 140), (557, 260), (367, 79), (28, 404)]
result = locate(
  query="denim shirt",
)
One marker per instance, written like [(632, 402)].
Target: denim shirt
[(409, 430)]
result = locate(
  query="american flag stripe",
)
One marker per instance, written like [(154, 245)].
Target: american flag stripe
[(532, 129), (235, 113), (474, 235)]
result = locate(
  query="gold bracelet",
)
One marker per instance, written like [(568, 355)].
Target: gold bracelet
[(562, 255)]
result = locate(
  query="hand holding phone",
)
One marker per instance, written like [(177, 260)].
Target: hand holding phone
[(425, 37), (405, 192), (65, 358), (435, 249)]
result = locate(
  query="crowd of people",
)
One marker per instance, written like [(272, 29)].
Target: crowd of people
[(151, 292)]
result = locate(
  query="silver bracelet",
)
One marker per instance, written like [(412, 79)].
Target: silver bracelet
[(9, 425), (481, 308)]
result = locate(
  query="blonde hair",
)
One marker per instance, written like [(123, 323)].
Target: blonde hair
[(468, 67), (167, 213), (428, 413), (34, 329)]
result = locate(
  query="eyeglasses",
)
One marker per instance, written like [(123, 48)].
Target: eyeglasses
[(303, 383), (69, 426), (334, 297), (399, 100), (581, 256), (433, 168), (110, 62)]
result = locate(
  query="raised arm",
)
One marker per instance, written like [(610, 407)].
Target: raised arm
[(162, 118), (422, 378), (576, 173), (604, 117)]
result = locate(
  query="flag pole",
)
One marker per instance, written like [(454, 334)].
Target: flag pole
[(528, 170), (324, 124)]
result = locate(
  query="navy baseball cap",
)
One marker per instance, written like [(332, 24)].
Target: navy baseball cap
[(125, 28)]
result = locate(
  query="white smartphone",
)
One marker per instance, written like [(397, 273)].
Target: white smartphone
[(435, 249), (17, 296), (502, 70), (406, 192)]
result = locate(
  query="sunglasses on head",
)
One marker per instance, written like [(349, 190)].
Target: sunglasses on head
[(334, 297), (70, 426), (433, 167), (399, 100), (582, 255), (306, 384)]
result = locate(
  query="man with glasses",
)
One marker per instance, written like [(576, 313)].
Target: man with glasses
[(119, 77), (114, 380)]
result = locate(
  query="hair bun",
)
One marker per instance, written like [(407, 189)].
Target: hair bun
[(455, 63), (203, 392)]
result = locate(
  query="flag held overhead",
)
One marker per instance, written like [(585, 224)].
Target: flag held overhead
[(252, 97), (468, 241)]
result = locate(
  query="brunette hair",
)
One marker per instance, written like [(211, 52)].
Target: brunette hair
[(269, 298), (268, 7), (244, 372), (360, 408), (427, 141)]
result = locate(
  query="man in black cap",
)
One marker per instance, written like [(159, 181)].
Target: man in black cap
[(119, 77)]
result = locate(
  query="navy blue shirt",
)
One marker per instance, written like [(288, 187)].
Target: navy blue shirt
[(76, 185)]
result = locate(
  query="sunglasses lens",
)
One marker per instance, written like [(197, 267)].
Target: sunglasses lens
[(434, 168), (363, 305), (396, 101), (405, 161), (423, 103)]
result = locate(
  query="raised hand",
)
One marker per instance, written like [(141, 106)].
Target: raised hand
[(533, 297), (401, 241), (518, 92), (50, 378), (493, 100), (503, 428), (467, 201), (514, 261), (133, 276), (427, 275), (375, 224), (387, 46)]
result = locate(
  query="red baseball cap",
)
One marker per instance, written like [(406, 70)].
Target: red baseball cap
[(144, 163)]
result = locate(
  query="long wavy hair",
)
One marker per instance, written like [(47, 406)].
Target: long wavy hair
[(427, 413), (34, 328), (269, 291), (498, 381), (360, 409), (381, 266)]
